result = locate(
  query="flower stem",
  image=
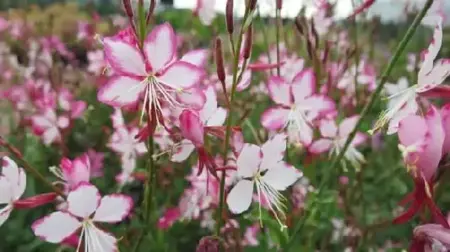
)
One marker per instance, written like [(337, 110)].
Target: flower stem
[(34, 172), (398, 52), (229, 121), (277, 30)]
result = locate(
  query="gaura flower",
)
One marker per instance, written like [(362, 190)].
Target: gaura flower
[(334, 138), (152, 73), (431, 74), (85, 207), (297, 106), (263, 167)]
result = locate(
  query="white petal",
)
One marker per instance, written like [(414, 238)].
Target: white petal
[(181, 75), (83, 200), (4, 213), (160, 46), (120, 91), (248, 161), (99, 240), (10, 170), (273, 151), (124, 58), (19, 188), (196, 57), (240, 197), (282, 176), (218, 118), (55, 227), (113, 208), (6, 191), (210, 105), (183, 151)]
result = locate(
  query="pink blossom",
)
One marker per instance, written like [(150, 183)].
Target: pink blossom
[(151, 73), (297, 106), (85, 207)]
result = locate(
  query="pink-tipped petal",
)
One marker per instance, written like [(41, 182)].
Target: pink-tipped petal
[(245, 81), (5, 212), (124, 58), (181, 75), (160, 46), (320, 146), (347, 125), (83, 200), (240, 197), (445, 113), (113, 208), (55, 227), (303, 85), (193, 98), (279, 91), (275, 118), (120, 91), (196, 57)]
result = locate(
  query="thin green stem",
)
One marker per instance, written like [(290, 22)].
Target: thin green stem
[(398, 52), (229, 121)]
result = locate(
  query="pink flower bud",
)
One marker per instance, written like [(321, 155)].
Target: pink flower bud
[(208, 244), (248, 43), (35, 201), (219, 61), (279, 4), (192, 127), (229, 16), (128, 8)]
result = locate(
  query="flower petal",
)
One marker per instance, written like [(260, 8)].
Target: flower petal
[(183, 151), (83, 200), (181, 75), (273, 151), (275, 118), (193, 98), (279, 91), (303, 85), (99, 240), (445, 113), (282, 176), (218, 118), (210, 105), (120, 91), (6, 191), (248, 161), (320, 146), (4, 213), (196, 57), (124, 58), (55, 227), (347, 125), (10, 170), (328, 128), (240, 197), (113, 208), (160, 46), (431, 53)]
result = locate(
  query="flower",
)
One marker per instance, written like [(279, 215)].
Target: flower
[(297, 106), (205, 11), (152, 73), (334, 139), (431, 237), (85, 207), (431, 74), (13, 182), (73, 172), (263, 167)]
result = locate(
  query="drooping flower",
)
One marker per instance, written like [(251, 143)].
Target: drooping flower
[(263, 167), (297, 106), (431, 237), (85, 207), (72, 173), (421, 143), (431, 74), (152, 73), (12, 186), (334, 138)]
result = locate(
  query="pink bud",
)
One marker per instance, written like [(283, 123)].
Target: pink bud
[(128, 9), (192, 127), (248, 43), (229, 16), (35, 201), (219, 61), (279, 4)]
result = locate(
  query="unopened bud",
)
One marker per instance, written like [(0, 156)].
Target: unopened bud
[(229, 16), (219, 61), (299, 26), (248, 43), (208, 244), (279, 4), (35, 201), (252, 4), (151, 9), (128, 8)]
